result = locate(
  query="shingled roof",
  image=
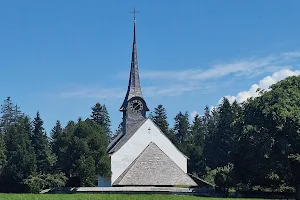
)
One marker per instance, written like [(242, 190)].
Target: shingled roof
[(153, 167), (122, 138)]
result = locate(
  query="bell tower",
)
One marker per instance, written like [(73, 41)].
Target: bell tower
[(134, 107)]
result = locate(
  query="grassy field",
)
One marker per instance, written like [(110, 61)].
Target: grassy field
[(99, 197)]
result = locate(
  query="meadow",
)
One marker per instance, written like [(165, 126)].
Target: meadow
[(101, 197)]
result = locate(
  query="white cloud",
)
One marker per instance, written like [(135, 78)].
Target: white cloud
[(264, 84), (178, 82), (243, 67), (193, 115)]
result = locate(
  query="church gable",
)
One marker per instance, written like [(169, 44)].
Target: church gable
[(129, 151), (154, 167)]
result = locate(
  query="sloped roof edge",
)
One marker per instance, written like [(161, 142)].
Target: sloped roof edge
[(121, 177)]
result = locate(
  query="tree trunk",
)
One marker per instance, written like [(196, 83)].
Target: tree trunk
[(298, 191)]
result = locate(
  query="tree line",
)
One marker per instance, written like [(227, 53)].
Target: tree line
[(72, 156), (254, 145)]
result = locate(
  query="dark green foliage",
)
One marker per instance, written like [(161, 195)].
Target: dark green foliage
[(41, 146), (63, 150), (224, 177), (21, 160), (56, 134), (222, 135), (182, 130), (196, 145), (272, 124), (10, 113), (82, 152), (101, 117), (40, 182), (27, 164), (2, 153), (160, 118), (118, 131)]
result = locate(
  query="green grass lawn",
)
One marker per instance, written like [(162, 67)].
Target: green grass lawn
[(99, 196)]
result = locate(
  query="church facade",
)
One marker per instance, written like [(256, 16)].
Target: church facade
[(142, 155)]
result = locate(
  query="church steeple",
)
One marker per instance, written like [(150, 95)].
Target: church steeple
[(134, 89)]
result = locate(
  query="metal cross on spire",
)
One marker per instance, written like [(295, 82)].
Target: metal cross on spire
[(134, 12)]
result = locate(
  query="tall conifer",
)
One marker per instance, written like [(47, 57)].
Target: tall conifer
[(101, 117), (41, 145), (160, 118), (2, 152)]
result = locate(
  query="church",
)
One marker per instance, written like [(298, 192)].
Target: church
[(142, 155)]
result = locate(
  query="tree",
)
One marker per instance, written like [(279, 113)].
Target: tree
[(62, 147), (222, 136), (2, 153), (41, 146), (196, 146), (224, 177), (55, 143), (150, 116), (101, 117), (36, 183), (210, 120), (21, 160), (160, 119), (56, 133), (7, 111), (182, 130), (270, 142), (82, 152), (118, 131)]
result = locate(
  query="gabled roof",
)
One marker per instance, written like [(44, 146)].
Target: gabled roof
[(154, 167), (121, 139)]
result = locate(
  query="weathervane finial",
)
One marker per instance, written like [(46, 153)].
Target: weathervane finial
[(134, 13)]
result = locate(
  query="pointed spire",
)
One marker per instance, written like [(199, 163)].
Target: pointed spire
[(134, 80), (134, 88)]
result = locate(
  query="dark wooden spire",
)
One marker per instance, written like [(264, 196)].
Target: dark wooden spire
[(134, 88)]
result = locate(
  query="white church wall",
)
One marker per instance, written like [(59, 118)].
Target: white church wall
[(121, 159)]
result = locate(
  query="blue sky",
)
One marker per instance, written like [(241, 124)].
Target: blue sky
[(61, 57)]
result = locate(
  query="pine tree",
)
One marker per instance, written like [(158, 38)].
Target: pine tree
[(182, 130), (2, 152), (210, 120), (150, 116), (160, 119), (21, 160), (101, 117), (118, 131), (17, 114), (56, 134), (221, 134), (195, 150), (7, 111), (63, 148), (41, 146)]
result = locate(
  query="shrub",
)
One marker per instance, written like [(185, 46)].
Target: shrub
[(44, 181)]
